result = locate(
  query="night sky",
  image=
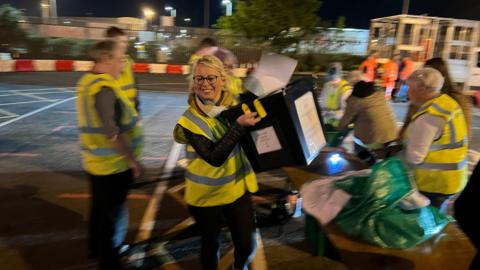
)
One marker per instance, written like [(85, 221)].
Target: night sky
[(357, 12)]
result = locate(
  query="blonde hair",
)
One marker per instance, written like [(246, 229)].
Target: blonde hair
[(208, 61)]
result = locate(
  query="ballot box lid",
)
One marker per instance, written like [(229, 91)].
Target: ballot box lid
[(301, 101)]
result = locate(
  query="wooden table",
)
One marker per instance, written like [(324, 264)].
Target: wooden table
[(449, 250)]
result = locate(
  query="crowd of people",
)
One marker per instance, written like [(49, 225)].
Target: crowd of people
[(219, 178)]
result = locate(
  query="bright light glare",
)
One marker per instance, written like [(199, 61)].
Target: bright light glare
[(148, 12), (334, 159)]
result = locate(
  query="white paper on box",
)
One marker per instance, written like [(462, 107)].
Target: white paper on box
[(273, 73), (266, 140), (310, 123)]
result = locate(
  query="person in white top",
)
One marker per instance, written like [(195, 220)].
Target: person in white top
[(426, 128), (437, 139)]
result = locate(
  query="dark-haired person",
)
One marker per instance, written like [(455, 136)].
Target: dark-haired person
[(373, 119), (127, 77), (111, 139)]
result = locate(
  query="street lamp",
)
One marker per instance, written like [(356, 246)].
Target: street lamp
[(149, 14), (228, 7), (187, 21), (173, 12), (45, 10)]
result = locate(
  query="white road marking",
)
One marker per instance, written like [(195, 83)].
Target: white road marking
[(27, 102), (8, 114), (35, 112), (35, 89), (148, 221), (30, 95)]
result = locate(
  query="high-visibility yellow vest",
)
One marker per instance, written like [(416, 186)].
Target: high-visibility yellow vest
[(126, 81), (98, 153), (207, 185), (334, 94), (234, 85), (444, 169)]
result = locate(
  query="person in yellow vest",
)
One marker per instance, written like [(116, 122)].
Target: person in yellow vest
[(219, 177), (127, 77), (334, 94), (233, 83), (437, 140), (110, 140)]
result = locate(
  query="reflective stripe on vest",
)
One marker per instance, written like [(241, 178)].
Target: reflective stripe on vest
[(85, 103), (215, 182), (106, 152), (128, 87), (208, 185), (444, 169), (438, 147), (200, 123), (443, 166), (194, 155), (98, 153), (101, 130), (127, 81)]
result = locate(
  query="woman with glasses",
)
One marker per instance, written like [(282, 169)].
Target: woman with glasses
[(219, 178)]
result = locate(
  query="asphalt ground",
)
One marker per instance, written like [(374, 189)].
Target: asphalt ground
[(44, 193)]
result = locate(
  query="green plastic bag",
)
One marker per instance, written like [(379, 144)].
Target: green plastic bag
[(334, 137), (373, 214)]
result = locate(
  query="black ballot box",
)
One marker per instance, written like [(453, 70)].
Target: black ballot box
[(291, 134)]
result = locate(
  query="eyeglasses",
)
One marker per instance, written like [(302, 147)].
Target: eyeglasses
[(211, 79)]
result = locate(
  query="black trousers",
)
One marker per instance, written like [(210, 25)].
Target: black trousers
[(466, 209), (239, 218), (108, 217)]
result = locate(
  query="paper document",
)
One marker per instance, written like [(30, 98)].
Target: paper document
[(266, 140), (322, 200), (310, 123), (273, 73)]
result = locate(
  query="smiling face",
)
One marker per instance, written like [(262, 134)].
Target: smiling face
[(207, 83)]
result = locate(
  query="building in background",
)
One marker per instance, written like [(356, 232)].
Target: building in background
[(455, 40)]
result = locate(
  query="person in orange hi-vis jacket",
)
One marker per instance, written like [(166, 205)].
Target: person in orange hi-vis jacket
[(368, 67), (390, 75), (408, 66)]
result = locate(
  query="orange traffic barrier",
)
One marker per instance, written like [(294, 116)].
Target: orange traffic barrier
[(24, 65), (141, 68), (64, 65), (174, 69)]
